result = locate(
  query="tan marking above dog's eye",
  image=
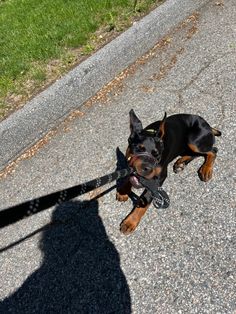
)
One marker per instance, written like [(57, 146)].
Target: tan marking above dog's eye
[(141, 147), (155, 152)]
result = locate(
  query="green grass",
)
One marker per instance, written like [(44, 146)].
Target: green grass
[(34, 32)]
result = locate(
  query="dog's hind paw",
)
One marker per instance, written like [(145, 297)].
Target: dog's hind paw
[(205, 173)]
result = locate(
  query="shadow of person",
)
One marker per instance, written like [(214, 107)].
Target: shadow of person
[(80, 272)]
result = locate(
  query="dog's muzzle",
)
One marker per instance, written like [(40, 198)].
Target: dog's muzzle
[(143, 165)]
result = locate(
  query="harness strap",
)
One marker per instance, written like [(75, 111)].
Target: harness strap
[(160, 197)]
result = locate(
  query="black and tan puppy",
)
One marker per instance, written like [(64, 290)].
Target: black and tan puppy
[(182, 135)]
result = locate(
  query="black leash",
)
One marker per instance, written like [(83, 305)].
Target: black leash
[(15, 213), (26, 209)]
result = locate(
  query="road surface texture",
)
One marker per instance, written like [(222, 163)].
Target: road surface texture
[(73, 258)]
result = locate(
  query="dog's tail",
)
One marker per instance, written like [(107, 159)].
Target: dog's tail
[(216, 132)]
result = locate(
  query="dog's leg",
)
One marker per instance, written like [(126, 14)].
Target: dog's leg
[(124, 191), (130, 223), (182, 162), (206, 170)]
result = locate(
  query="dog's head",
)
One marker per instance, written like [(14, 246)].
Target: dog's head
[(145, 148)]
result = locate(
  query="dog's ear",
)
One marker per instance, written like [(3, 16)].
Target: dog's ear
[(161, 131), (135, 123)]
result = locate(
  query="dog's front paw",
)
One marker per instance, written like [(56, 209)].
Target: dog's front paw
[(178, 167), (205, 173), (128, 226), (122, 197)]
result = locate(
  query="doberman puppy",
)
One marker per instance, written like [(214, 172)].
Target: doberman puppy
[(185, 135)]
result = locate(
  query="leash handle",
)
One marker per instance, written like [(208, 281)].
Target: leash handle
[(15, 213)]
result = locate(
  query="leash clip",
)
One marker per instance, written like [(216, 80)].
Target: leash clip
[(161, 201)]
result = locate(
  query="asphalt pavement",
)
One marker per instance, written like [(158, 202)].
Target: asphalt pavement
[(73, 258)]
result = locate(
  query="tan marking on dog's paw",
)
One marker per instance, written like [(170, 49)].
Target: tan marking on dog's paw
[(205, 173), (128, 226), (178, 167), (121, 198)]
